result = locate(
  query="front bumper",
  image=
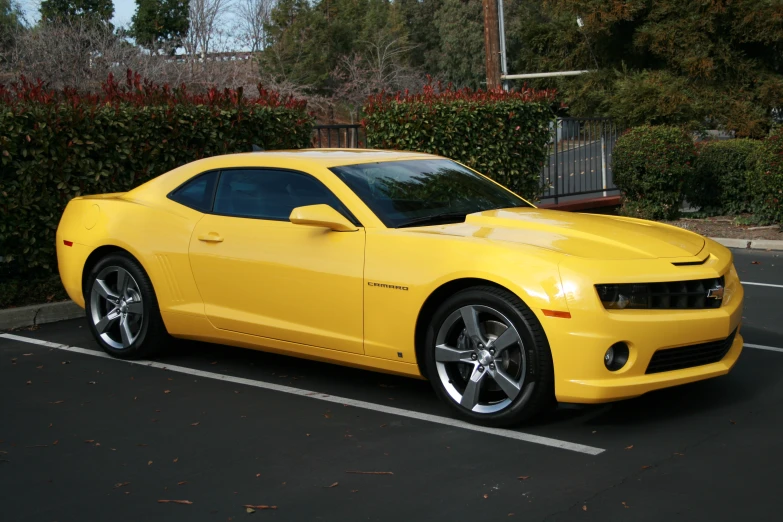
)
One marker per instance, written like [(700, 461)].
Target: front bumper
[(578, 344)]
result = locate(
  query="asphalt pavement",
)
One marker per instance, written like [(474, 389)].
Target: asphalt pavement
[(88, 438)]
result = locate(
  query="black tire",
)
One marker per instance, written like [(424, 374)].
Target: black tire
[(537, 387), (151, 336)]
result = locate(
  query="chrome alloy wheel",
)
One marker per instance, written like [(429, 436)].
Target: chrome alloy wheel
[(116, 307), (480, 359)]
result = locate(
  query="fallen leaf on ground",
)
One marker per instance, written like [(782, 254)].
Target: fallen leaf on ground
[(625, 505), (27, 354), (629, 447), (50, 425), (181, 483), (755, 263), (371, 472), (175, 502), (29, 382), (733, 422), (213, 362), (39, 367), (486, 496), (326, 415), (195, 424), (149, 463), (646, 467), (250, 510), (680, 454), (354, 490), (57, 402), (55, 442), (584, 508), (89, 441), (175, 460), (260, 506), (120, 484), (524, 477), (332, 485), (166, 391), (383, 425), (258, 475)]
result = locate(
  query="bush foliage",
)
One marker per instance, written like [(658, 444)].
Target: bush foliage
[(57, 144), (765, 179), (503, 135), (650, 165), (719, 182)]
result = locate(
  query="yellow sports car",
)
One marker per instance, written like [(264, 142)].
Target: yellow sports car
[(403, 263)]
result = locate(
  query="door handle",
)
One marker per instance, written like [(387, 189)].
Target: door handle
[(212, 237)]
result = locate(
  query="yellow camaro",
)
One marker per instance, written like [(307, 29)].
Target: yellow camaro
[(404, 263)]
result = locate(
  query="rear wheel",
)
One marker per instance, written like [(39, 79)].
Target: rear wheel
[(122, 309), (488, 358)]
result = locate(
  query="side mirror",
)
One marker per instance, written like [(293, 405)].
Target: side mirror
[(321, 216)]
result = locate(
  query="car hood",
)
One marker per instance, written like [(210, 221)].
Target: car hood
[(584, 235)]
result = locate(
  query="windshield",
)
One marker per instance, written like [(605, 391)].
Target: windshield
[(424, 192)]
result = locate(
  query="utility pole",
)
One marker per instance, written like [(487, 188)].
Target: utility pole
[(492, 43)]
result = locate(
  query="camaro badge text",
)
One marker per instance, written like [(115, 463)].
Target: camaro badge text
[(383, 285)]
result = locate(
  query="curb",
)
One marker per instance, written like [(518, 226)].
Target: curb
[(39, 314), (753, 244)]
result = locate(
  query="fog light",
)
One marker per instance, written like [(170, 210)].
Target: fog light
[(616, 356)]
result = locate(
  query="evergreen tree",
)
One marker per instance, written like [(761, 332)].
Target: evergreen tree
[(10, 23), (160, 24), (460, 26), (93, 10)]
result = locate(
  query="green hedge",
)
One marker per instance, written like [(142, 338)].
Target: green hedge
[(55, 145), (765, 179), (503, 135), (719, 181), (650, 165)]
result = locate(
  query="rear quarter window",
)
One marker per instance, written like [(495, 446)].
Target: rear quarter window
[(198, 193)]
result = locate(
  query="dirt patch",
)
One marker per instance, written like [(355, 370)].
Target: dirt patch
[(727, 226)]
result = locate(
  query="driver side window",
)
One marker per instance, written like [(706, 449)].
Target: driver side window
[(270, 194)]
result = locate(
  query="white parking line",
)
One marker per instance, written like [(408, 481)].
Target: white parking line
[(509, 434), (760, 284), (761, 347)]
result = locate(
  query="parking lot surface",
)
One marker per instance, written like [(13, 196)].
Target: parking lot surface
[(86, 437)]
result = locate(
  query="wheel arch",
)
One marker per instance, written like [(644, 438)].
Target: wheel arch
[(102, 251), (431, 305)]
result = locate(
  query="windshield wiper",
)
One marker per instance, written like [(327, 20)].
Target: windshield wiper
[(435, 219)]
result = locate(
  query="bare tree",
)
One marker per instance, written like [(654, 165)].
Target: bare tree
[(252, 16), (381, 67), (205, 19), (73, 53)]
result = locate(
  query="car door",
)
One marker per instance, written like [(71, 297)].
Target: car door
[(262, 275)]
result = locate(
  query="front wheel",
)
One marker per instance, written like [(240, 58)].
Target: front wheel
[(122, 309), (488, 358)]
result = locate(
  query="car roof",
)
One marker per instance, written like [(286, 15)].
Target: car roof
[(338, 157)]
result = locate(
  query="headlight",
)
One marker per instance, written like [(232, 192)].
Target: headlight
[(619, 297), (696, 294)]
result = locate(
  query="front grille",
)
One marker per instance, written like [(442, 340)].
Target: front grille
[(682, 295), (690, 356)]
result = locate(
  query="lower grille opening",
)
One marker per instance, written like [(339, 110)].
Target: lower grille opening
[(689, 356)]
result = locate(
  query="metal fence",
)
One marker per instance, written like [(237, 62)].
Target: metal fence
[(349, 136), (579, 159)]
